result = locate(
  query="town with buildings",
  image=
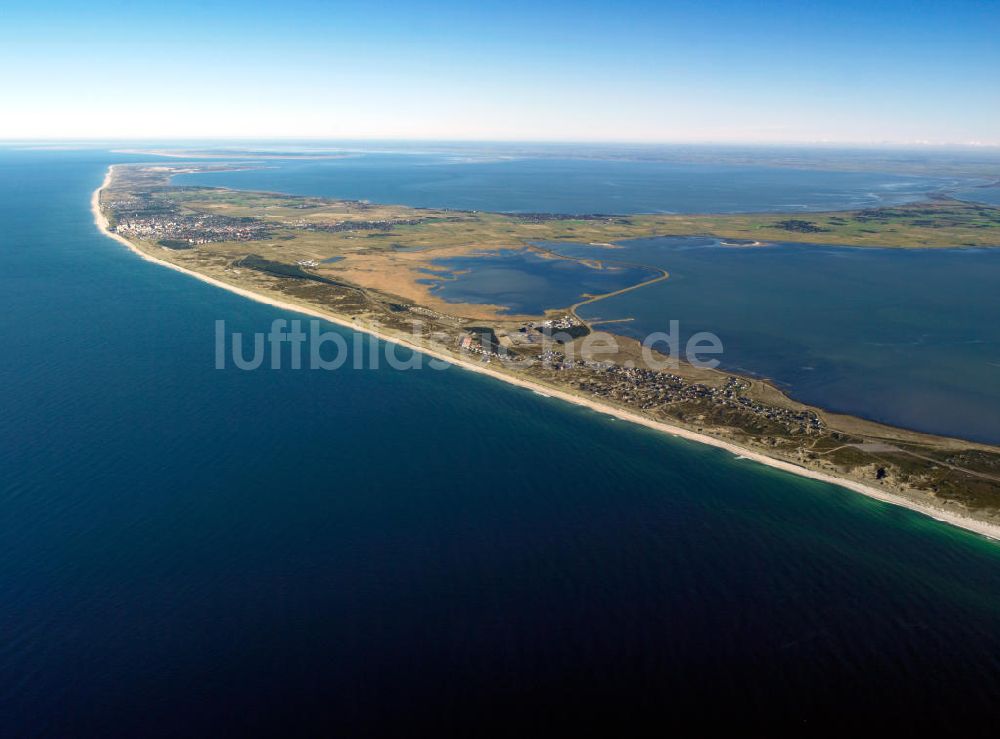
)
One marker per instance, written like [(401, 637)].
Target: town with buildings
[(536, 345), (141, 215), (288, 259)]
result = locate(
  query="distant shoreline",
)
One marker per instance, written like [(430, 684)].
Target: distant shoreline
[(983, 528)]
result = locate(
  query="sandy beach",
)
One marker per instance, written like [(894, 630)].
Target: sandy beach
[(984, 528)]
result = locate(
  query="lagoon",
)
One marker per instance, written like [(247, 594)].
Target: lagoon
[(192, 550), (562, 185), (905, 337), (526, 282)]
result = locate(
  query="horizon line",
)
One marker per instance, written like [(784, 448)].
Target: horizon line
[(919, 144)]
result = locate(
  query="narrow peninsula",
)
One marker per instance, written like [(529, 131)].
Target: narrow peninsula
[(371, 266)]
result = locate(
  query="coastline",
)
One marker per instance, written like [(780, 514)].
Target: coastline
[(983, 528)]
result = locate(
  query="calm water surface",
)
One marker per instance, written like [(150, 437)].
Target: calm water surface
[(907, 337), (903, 337), (988, 195), (193, 551), (574, 185), (526, 282)]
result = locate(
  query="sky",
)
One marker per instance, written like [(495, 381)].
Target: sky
[(668, 71)]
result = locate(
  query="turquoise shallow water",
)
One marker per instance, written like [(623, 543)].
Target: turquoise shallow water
[(194, 551)]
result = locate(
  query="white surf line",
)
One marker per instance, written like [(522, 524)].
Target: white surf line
[(984, 528)]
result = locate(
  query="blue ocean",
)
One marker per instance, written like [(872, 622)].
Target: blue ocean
[(193, 551)]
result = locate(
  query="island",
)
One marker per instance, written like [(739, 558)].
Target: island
[(376, 267)]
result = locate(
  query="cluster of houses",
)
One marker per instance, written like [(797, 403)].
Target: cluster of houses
[(650, 389), (191, 229), (144, 216), (536, 333), (807, 420), (637, 386), (489, 343), (566, 322), (483, 341)]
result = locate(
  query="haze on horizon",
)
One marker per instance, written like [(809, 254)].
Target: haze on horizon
[(894, 72)]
